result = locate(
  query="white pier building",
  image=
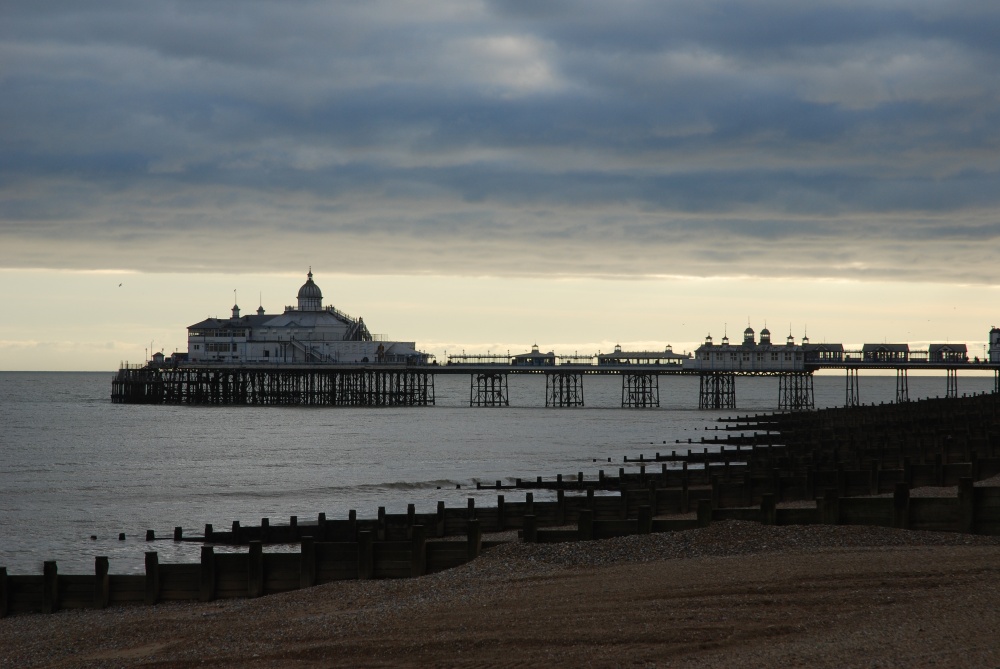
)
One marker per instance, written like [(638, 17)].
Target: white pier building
[(306, 333), (750, 356)]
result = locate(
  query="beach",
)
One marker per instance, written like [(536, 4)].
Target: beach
[(731, 594)]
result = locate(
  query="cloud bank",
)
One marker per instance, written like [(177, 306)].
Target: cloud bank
[(645, 137)]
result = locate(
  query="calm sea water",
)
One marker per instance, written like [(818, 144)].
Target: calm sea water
[(73, 465)]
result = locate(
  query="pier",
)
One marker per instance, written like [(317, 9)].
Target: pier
[(394, 385)]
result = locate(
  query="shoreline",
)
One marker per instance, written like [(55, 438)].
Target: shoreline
[(733, 592)]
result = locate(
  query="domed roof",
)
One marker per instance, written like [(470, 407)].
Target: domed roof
[(310, 290), (765, 332), (748, 331)]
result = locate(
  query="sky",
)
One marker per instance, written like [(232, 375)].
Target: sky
[(484, 176)]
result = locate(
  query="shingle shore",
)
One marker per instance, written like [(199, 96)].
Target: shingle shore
[(730, 593)]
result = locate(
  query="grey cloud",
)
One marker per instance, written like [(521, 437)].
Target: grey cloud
[(615, 136)]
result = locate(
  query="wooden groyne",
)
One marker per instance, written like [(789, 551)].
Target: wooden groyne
[(835, 460)]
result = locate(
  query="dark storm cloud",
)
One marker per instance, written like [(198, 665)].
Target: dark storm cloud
[(570, 137)]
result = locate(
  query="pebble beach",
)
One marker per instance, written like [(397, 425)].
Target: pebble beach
[(731, 594)]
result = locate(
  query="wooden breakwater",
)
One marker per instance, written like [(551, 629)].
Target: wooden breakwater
[(256, 573), (833, 458)]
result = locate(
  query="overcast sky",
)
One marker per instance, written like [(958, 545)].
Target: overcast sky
[(533, 150)]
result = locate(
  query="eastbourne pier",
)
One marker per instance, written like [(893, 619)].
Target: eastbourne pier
[(316, 355)]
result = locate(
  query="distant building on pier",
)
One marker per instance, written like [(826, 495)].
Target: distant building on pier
[(535, 358), (994, 351), (620, 357), (306, 333), (885, 352), (948, 353), (749, 356)]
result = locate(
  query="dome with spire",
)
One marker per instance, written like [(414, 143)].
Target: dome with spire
[(310, 296)]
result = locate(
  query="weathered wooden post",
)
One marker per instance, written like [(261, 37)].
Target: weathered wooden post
[(381, 528), (645, 516), (501, 513), (560, 507), (768, 513), (366, 555), (530, 529), (255, 570), (50, 587), (237, 535), (901, 505), (966, 506), (293, 527), (178, 534), (352, 525), (209, 530), (439, 528), (4, 596), (206, 580), (474, 538), (307, 563), (321, 527), (102, 583), (590, 499), (704, 512), (529, 504), (152, 593), (150, 535), (472, 509), (585, 525), (418, 551), (265, 529)]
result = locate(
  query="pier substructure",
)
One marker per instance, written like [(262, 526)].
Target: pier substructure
[(717, 390), (902, 386), (952, 390), (563, 389), (488, 390), (795, 391), (264, 387), (640, 390), (853, 398)]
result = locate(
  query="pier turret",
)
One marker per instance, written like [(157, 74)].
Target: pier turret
[(995, 344)]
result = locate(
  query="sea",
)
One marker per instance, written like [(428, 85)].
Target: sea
[(77, 471)]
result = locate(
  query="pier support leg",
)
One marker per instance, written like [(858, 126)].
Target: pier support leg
[(795, 391), (563, 389), (640, 390), (952, 390), (488, 390), (853, 396), (902, 386), (717, 391)]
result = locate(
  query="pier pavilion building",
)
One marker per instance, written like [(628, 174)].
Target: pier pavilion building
[(749, 356), (305, 333), (994, 351)]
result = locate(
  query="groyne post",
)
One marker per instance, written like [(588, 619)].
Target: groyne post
[(152, 592), (102, 583), (474, 538), (966, 506), (366, 555), (4, 594), (901, 506), (418, 556), (255, 570), (206, 581), (50, 587), (307, 563)]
